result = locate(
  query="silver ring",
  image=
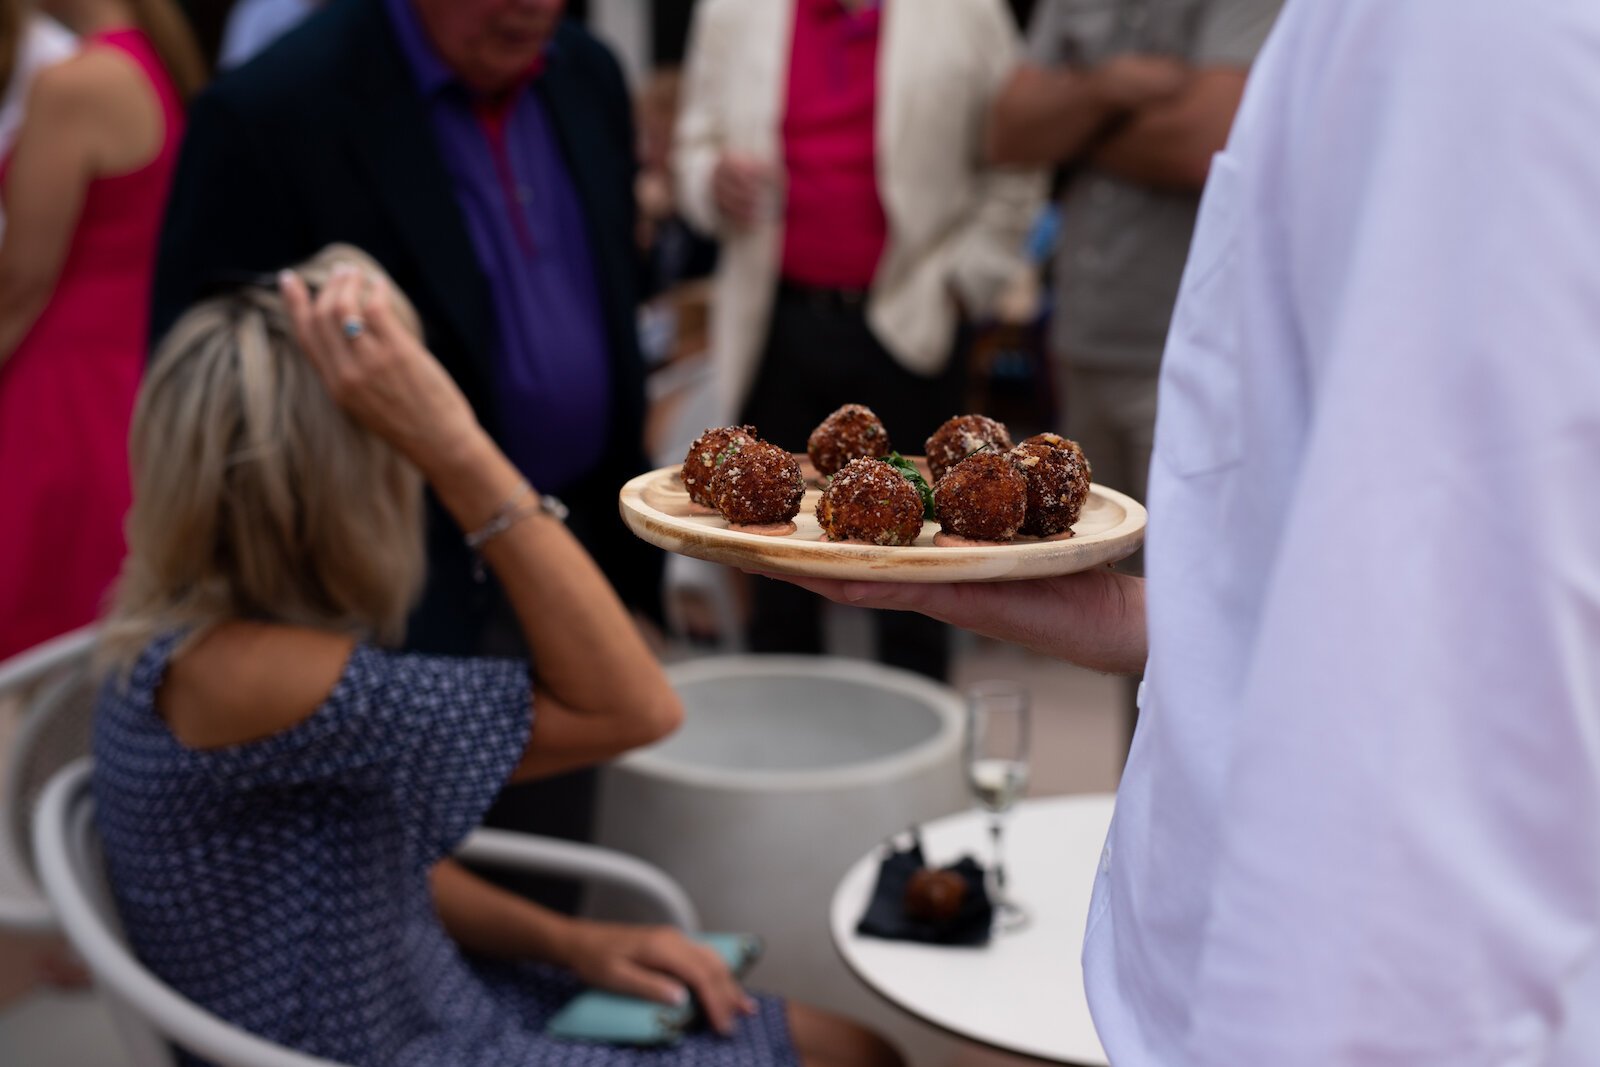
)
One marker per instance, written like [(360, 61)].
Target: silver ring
[(353, 327)]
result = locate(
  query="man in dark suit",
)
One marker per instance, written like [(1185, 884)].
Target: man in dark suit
[(482, 151)]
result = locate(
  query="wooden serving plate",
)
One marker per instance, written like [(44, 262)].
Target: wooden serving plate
[(657, 509)]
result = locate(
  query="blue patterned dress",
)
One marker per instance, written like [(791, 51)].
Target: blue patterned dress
[(282, 884)]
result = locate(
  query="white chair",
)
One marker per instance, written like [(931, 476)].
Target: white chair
[(56, 688), (148, 1013)]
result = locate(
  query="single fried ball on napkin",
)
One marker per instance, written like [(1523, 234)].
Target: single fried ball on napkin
[(934, 896)]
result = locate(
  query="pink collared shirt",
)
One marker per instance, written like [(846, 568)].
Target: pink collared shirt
[(833, 219)]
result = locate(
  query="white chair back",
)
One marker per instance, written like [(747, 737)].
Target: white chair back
[(57, 689), (146, 1009)]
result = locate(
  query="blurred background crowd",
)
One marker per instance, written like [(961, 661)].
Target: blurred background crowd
[(671, 216), (621, 222)]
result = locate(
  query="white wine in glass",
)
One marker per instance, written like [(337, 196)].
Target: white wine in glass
[(998, 783), (997, 773)]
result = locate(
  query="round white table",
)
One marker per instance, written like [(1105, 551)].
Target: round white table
[(1023, 992)]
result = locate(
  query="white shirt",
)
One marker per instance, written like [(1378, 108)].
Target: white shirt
[(42, 43), (1360, 823)]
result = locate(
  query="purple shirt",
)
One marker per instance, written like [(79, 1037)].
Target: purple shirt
[(552, 371)]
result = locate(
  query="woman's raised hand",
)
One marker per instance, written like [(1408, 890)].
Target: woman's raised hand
[(377, 370)]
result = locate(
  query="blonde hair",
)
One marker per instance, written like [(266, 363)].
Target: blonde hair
[(254, 496)]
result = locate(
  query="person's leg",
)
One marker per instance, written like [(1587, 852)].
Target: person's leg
[(1112, 417), (790, 393), (784, 405), (1101, 414), (784, 619), (911, 406), (1090, 422), (820, 355), (913, 642), (1130, 401), (824, 1039)]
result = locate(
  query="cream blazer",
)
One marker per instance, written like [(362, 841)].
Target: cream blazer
[(952, 220)]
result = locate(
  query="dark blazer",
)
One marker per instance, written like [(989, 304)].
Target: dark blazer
[(324, 137)]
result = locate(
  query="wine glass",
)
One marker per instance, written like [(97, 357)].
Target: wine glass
[(997, 773)]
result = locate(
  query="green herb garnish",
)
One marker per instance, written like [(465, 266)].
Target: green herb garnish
[(909, 472)]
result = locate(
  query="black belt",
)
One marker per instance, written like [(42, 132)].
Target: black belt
[(821, 297)]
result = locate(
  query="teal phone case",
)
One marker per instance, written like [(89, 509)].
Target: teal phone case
[(622, 1020)]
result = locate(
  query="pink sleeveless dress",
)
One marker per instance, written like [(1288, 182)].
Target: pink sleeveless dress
[(66, 395)]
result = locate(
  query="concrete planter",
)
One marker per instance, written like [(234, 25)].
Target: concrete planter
[(787, 770)]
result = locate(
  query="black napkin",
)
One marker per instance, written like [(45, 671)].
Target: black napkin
[(886, 915)]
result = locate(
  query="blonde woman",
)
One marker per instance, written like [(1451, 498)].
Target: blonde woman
[(83, 194), (278, 794)]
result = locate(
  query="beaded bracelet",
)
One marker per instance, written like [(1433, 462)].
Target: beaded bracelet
[(508, 515)]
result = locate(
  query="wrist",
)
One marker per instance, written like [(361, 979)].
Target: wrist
[(565, 942), (472, 478), (1099, 89), (523, 504)]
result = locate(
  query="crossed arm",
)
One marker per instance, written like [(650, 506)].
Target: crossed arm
[(1169, 144), (1143, 118)]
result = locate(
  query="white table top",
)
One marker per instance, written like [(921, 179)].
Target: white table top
[(1023, 992)]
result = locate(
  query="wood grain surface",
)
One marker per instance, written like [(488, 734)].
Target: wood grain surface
[(657, 509)]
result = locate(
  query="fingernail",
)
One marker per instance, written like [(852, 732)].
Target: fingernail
[(680, 996), (284, 277), (342, 269)]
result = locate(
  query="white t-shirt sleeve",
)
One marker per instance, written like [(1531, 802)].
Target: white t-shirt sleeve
[(1410, 869), (46, 41), (42, 43)]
